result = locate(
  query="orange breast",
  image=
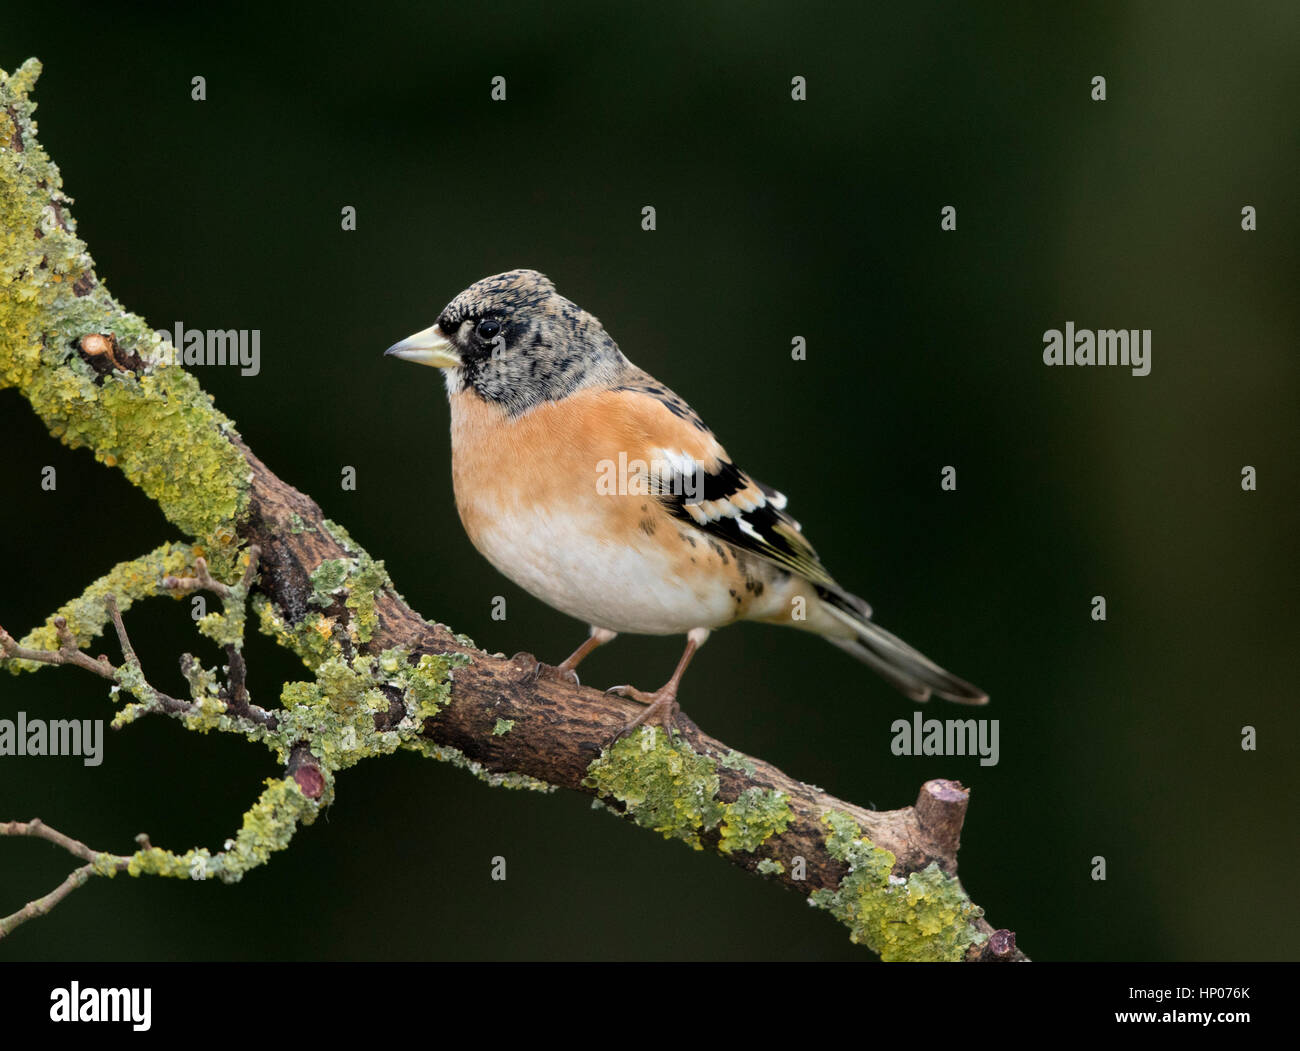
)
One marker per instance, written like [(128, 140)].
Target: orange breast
[(533, 494)]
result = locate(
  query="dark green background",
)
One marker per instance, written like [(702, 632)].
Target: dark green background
[(776, 219)]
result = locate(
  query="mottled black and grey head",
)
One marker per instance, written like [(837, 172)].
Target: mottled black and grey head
[(512, 339)]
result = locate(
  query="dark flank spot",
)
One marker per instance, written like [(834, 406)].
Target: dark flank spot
[(692, 560), (645, 507), (689, 539), (732, 592), (648, 526), (719, 550), (756, 586)]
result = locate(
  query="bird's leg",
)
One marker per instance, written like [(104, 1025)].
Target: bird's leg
[(662, 704), (566, 670)]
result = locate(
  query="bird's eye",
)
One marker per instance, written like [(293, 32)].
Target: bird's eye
[(488, 329)]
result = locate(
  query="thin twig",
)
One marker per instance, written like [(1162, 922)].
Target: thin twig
[(67, 653), (205, 581), (202, 580), (77, 878), (236, 693), (40, 830), (128, 651), (40, 906)]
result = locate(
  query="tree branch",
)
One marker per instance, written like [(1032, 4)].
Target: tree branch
[(99, 864), (384, 677)]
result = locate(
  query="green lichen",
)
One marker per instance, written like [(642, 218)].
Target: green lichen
[(130, 677), (734, 760), (427, 683), (925, 917), (105, 864), (339, 712), (154, 423), (770, 867), (327, 578), (311, 638), (665, 785), (336, 716), (755, 816), (358, 580), (87, 616), (662, 783), (158, 427), (163, 432), (268, 827), (363, 586), (203, 681), (457, 758), (225, 629), (344, 687), (503, 727), (341, 536), (206, 714)]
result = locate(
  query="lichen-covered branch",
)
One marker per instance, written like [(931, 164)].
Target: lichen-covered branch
[(380, 677)]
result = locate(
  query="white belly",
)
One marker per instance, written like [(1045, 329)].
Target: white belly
[(626, 588)]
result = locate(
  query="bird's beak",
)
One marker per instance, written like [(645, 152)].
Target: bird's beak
[(429, 347)]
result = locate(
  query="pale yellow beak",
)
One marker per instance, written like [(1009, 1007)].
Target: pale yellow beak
[(429, 347)]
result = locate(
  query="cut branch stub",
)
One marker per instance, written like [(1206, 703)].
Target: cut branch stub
[(940, 812)]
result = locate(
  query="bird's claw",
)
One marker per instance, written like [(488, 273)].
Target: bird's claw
[(558, 673), (660, 707)]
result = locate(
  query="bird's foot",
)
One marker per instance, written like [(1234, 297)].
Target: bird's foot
[(538, 670), (661, 707)]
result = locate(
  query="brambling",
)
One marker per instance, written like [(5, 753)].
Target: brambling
[(598, 490)]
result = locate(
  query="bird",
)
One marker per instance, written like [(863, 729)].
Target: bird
[(599, 491)]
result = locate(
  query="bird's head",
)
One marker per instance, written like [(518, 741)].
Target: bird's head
[(513, 340)]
